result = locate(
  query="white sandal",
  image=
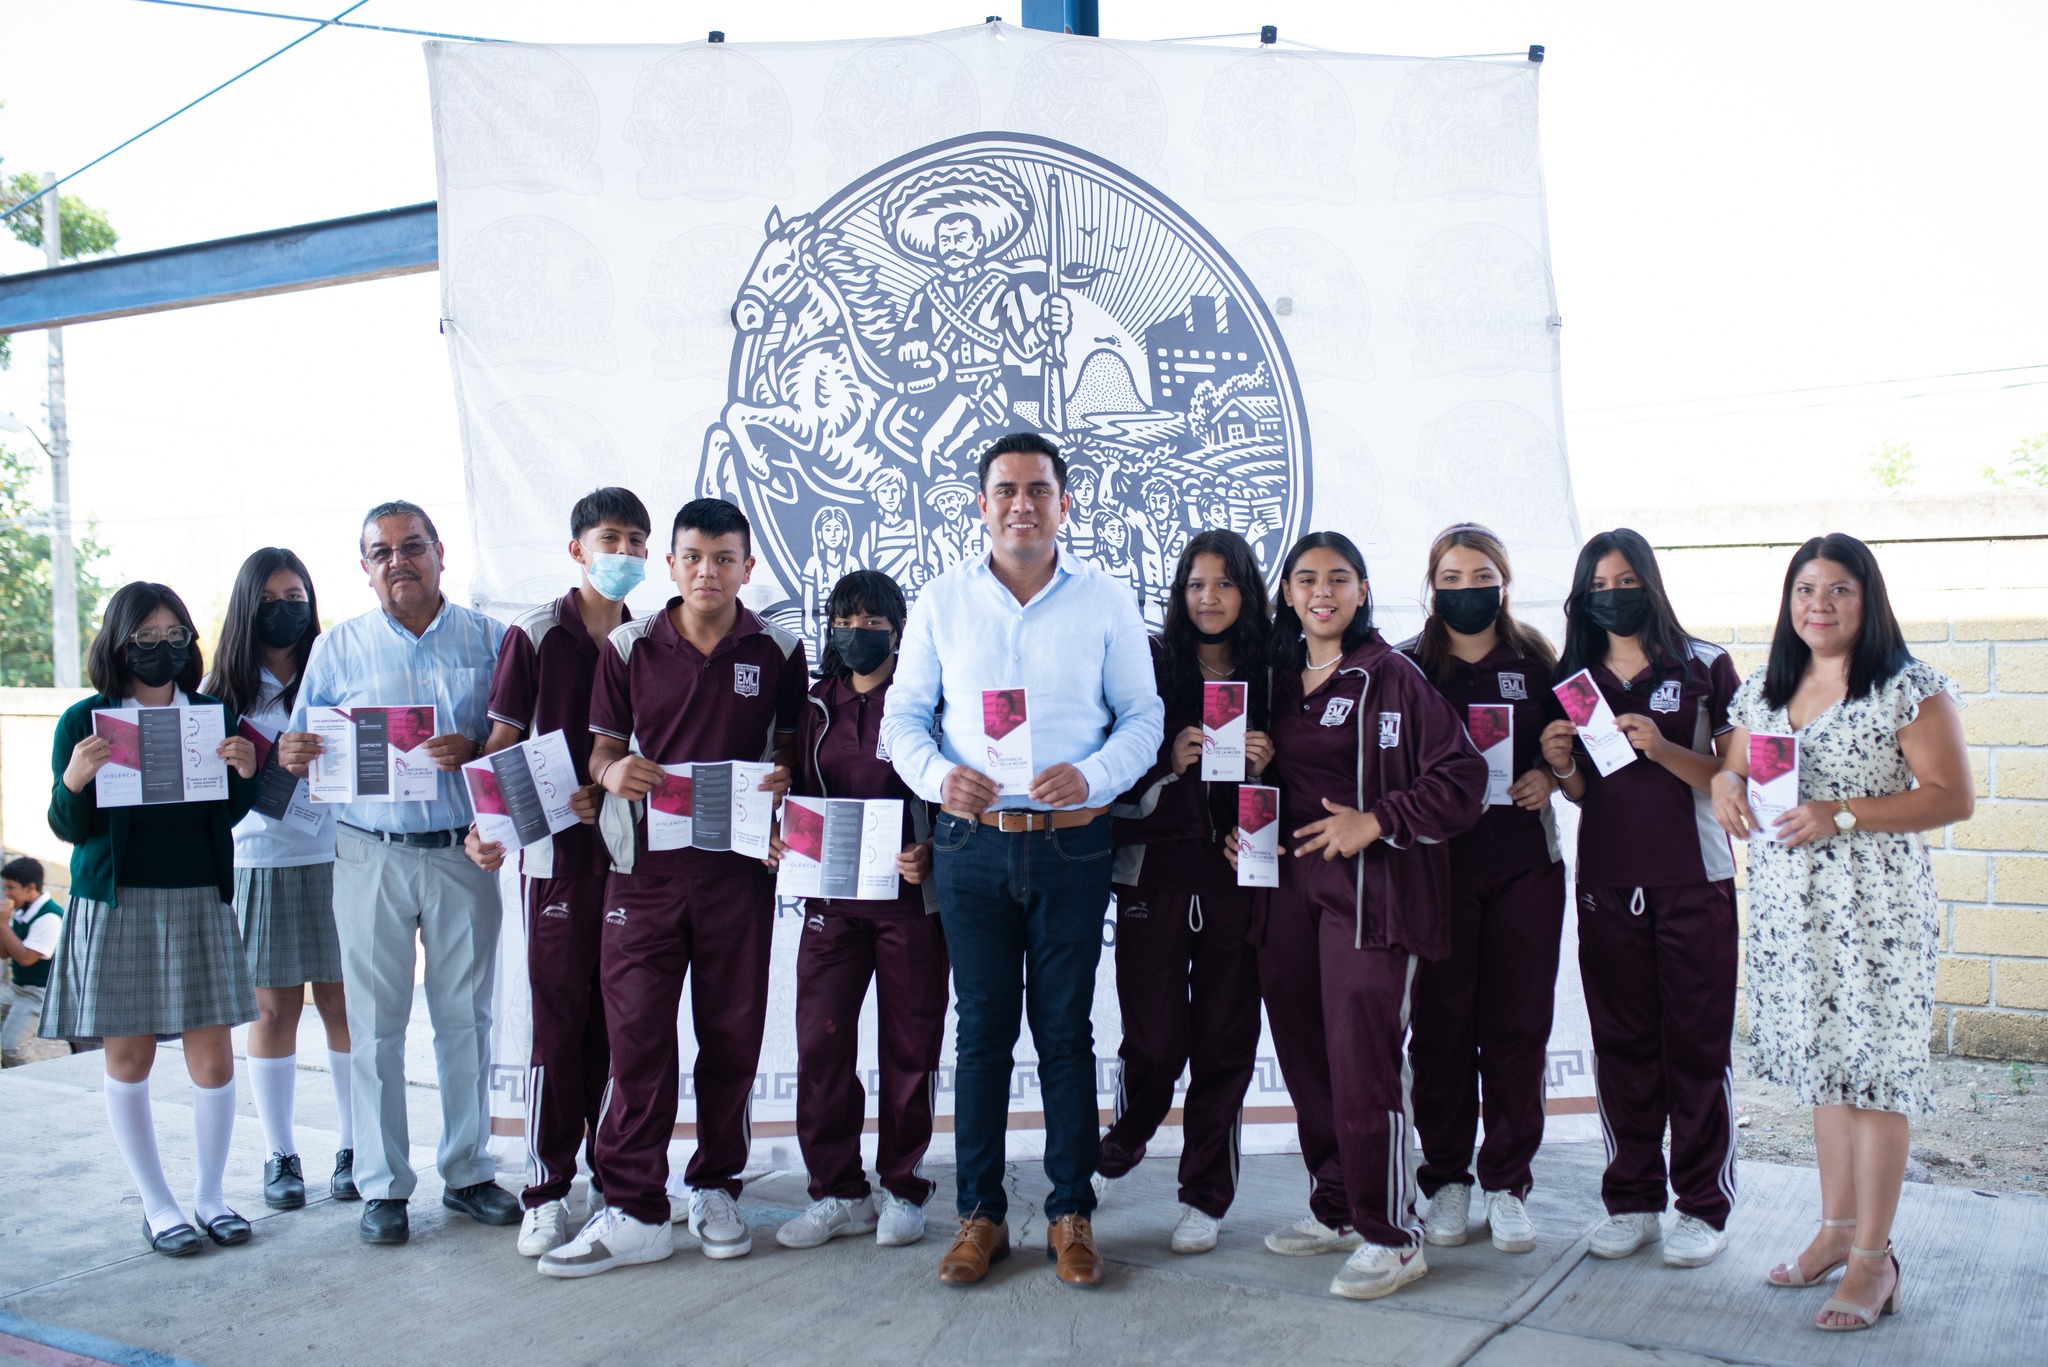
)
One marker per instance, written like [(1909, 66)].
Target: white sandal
[(1794, 1277), (1867, 1316)]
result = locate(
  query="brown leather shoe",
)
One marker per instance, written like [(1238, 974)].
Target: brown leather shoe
[(980, 1243), (1070, 1244)]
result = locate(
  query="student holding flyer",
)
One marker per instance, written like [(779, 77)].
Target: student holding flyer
[(1482, 1013), (1844, 920), (1656, 895), (1186, 974), (284, 867), (1376, 776), (1024, 879), (149, 946), (546, 668), (399, 870), (702, 682), (898, 944)]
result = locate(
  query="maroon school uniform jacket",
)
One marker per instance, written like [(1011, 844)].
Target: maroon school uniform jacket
[(546, 666), (1169, 828), (1507, 839), (676, 705), (1377, 736), (1643, 826), (840, 754)]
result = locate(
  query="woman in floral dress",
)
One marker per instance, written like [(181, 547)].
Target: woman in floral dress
[(1843, 920)]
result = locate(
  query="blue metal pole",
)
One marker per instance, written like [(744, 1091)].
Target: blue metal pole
[(1064, 16)]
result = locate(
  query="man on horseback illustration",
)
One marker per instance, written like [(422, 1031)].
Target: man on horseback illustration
[(978, 325)]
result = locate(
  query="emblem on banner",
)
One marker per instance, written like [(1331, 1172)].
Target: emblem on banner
[(981, 285)]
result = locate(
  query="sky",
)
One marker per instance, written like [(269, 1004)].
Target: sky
[(1843, 201)]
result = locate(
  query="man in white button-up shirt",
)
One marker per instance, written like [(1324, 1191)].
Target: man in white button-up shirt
[(1023, 878)]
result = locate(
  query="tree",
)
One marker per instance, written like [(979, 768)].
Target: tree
[(25, 660), (2027, 467), (85, 230), (1891, 466)]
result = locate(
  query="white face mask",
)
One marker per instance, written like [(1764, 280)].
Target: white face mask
[(615, 576)]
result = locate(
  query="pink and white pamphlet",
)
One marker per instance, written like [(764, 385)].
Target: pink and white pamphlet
[(1223, 728), (1492, 728), (1773, 779), (1584, 703), (1006, 740), (1258, 836)]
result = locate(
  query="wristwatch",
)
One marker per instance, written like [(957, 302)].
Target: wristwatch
[(1845, 820)]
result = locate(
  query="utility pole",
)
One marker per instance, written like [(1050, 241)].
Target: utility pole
[(63, 563)]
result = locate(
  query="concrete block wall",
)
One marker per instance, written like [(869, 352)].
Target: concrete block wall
[(1991, 872)]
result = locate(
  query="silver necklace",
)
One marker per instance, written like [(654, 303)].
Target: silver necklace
[(1213, 673)]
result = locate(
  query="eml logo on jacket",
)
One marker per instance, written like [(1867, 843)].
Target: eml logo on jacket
[(1336, 712), (1665, 699), (1390, 730), (746, 680), (1513, 688)]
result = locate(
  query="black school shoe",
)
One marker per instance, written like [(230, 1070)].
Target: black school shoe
[(228, 1229), (487, 1203), (179, 1241), (284, 1186), (384, 1222), (342, 1186)]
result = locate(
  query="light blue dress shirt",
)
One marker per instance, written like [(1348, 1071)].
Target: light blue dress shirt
[(1079, 650), (372, 661)]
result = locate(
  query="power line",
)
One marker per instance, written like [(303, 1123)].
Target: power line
[(1812, 389), (323, 26), (315, 19)]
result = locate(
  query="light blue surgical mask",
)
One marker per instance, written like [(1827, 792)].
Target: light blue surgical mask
[(615, 576)]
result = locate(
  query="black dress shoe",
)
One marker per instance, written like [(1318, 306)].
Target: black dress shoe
[(487, 1203), (385, 1222), (342, 1186), (179, 1241), (228, 1229), (284, 1186)]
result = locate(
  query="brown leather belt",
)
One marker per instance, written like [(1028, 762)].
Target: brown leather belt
[(1015, 821)]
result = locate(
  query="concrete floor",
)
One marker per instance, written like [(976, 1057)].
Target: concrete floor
[(306, 1290)]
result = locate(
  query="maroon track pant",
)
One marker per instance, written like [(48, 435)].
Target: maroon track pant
[(1482, 1020), (571, 1057), (906, 958), (1340, 1020), (1189, 987), (656, 929), (1659, 970)]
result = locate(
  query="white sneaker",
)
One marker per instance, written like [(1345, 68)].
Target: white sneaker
[(594, 1202), (1101, 1185), (900, 1223), (1693, 1242), (1450, 1212), (1376, 1270), (1196, 1232), (1309, 1236), (1513, 1230), (544, 1227), (612, 1239), (826, 1220), (716, 1221), (1621, 1235)]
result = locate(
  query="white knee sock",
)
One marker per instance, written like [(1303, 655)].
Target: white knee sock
[(275, 1082), (337, 1069), (213, 1125), (135, 1136)]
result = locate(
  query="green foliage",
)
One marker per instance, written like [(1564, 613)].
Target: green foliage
[(1891, 466), (82, 229), (2027, 467), (25, 659), (2022, 1077)]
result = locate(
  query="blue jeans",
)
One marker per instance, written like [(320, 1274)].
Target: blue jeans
[(1023, 918)]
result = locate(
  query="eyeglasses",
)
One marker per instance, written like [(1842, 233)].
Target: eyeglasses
[(381, 556), (170, 636)]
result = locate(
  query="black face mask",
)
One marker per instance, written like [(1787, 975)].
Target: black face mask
[(864, 649), (157, 665), (282, 622), (1211, 638), (1468, 611), (1621, 611)]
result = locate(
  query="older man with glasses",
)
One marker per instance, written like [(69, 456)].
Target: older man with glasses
[(400, 869)]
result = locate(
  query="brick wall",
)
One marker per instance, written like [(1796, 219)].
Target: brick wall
[(1991, 871)]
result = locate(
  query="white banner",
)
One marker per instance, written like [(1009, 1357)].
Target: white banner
[(1268, 290)]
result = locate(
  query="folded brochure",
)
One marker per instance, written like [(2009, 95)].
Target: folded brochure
[(840, 848), (521, 793), (161, 754)]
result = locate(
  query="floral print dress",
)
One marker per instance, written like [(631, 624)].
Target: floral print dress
[(1843, 932)]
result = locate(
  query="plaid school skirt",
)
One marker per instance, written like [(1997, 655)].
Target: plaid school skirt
[(288, 924), (166, 960)]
